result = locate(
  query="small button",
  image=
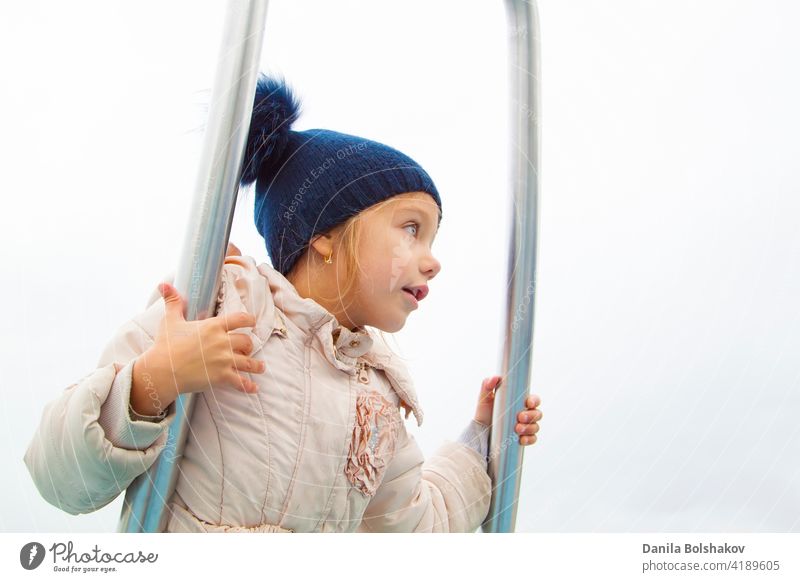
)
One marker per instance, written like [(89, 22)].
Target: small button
[(354, 343)]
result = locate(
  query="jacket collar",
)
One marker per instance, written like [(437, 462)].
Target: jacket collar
[(342, 347)]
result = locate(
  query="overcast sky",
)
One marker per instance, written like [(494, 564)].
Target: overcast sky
[(666, 329)]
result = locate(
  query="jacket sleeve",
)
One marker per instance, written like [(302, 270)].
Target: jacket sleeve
[(476, 436), (450, 492), (90, 444)]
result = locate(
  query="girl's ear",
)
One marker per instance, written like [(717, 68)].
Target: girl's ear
[(323, 244)]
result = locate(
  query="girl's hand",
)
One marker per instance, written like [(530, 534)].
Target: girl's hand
[(192, 356), (233, 251), (528, 418)]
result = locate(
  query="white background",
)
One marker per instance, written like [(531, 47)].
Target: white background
[(666, 331)]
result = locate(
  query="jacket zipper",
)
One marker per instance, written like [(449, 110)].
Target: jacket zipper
[(363, 377)]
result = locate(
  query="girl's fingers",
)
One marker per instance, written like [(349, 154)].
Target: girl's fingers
[(528, 420), (487, 388), (240, 343), (491, 383), (243, 384), (244, 364), (528, 416), (527, 429), (231, 321), (533, 401)]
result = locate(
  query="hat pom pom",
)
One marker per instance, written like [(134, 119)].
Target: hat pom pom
[(275, 109)]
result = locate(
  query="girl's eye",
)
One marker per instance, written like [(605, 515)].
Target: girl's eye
[(413, 225)]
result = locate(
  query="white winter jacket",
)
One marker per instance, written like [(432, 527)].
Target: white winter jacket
[(321, 447)]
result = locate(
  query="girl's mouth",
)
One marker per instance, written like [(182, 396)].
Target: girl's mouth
[(411, 297), (418, 291)]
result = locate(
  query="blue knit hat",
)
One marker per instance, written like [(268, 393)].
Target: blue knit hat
[(308, 182)]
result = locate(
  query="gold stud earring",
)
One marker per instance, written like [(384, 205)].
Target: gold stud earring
[(329, 258)]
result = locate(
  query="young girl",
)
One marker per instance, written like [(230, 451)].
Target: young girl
[(298, 424)]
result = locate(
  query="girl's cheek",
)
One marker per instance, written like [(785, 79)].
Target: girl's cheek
[(402, 253)]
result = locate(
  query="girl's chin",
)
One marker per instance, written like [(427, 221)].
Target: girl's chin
[(390, 319), (390, 326)]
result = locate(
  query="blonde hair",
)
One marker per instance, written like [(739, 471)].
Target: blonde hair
[(348, 251), (349, 241)]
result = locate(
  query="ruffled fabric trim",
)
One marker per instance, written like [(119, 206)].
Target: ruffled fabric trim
[(373, 442)]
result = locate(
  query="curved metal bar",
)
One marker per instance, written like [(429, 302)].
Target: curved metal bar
[(505, 456), (198, 276)]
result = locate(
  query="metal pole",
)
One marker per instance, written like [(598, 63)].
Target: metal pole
[(505, 457), (198, 275)]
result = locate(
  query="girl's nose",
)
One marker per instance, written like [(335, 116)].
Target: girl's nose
[(430, 266)]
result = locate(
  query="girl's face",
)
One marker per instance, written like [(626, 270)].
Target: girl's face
[(394, 254)]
